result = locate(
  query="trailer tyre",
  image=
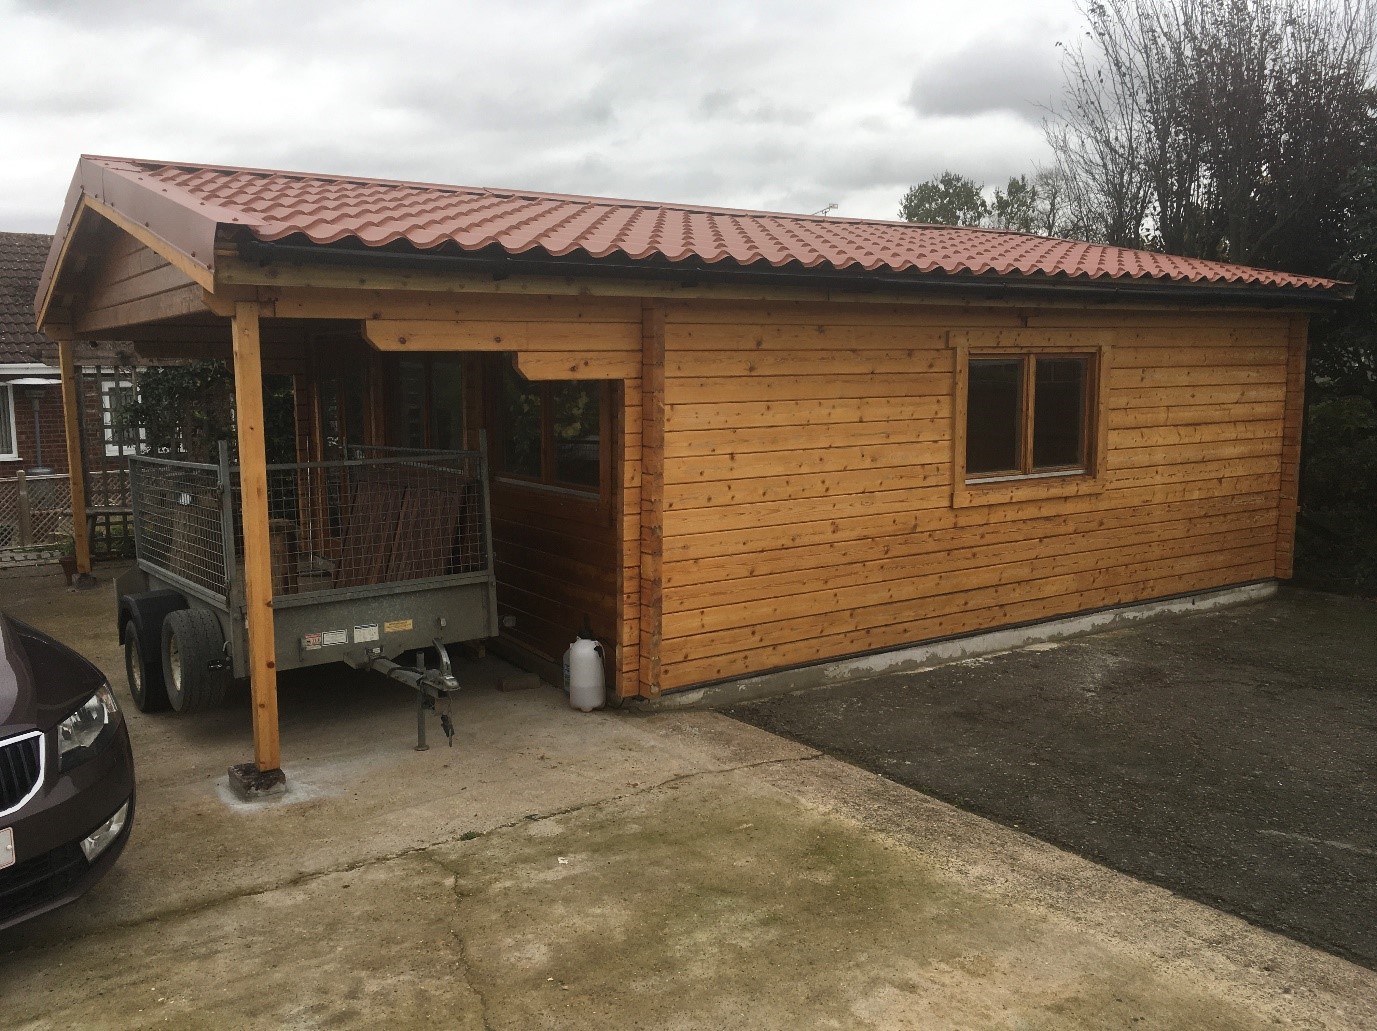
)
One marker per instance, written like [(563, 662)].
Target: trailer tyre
[(146, 685), (141, 632), (193, 654)]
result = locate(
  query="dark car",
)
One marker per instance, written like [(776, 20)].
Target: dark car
[(66, 774)]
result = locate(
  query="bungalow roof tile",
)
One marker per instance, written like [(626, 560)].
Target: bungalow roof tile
[(324, 209)]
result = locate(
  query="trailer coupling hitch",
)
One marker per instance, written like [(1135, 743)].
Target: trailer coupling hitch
[(431, 686)]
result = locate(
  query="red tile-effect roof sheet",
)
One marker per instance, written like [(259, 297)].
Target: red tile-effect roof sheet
[(328, 209)]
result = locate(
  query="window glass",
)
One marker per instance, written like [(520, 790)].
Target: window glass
[(411, 402), (577, 428), (446, 404), (7, 420), (521, 424), (993, 414), (1059, 413)]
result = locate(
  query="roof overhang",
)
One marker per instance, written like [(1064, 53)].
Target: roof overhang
[(502, 265)]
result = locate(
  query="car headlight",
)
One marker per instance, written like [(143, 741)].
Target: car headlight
[(85, 731)]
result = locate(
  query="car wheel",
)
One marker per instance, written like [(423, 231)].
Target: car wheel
[(143, 671), (193, 656)]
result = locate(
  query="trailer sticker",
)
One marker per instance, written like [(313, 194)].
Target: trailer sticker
[(365, 632), (396, 626), (325, 639)]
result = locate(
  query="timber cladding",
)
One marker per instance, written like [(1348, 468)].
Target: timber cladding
[(809, 508)]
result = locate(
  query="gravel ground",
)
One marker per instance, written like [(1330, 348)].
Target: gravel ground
[(1230, 756)]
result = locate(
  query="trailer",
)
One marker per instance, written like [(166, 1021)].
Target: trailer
[(376, 557)]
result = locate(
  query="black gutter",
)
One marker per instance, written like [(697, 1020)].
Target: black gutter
[(502, 265)]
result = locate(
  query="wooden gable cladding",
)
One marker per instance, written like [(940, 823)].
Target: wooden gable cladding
[(129, 283), (808, 477)]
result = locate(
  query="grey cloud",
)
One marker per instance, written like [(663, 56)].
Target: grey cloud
[(1019, 76), (782, 104)]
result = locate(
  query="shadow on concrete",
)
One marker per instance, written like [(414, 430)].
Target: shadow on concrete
[(1228, 755)]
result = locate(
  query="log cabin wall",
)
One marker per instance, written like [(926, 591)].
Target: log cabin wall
[(809, 503)]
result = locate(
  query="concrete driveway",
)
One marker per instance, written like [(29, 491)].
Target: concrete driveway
[(557, 870)]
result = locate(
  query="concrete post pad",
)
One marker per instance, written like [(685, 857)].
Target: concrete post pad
[(250, 784)]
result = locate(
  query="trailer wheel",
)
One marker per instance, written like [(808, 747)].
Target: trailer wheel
[(141, 632), (145, 677), (193, 655)]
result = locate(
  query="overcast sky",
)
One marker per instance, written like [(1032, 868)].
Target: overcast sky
[(781, 104)]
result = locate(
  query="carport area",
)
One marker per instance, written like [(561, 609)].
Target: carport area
[(566, 870), (1225, 755)]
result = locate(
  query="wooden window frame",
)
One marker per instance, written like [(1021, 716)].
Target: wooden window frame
[(1006, 487), (546, 481)]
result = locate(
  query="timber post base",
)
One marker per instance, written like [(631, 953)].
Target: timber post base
[(250, 784)]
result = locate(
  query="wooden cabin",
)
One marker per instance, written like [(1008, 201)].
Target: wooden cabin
[(731, 442)]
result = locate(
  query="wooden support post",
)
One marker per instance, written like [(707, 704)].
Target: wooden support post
[(76, 474), (258, 581), (652, 491)]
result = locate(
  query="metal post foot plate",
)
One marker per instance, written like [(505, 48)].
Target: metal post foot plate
[(249, 783)]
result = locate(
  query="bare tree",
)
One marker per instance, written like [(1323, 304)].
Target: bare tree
[(1215, 128)]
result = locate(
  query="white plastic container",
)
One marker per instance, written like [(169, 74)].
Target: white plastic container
[(583, 675)]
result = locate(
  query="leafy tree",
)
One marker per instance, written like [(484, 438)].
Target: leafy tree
[(1017, 207), (948, 199), (1024, 205), (185, 410)]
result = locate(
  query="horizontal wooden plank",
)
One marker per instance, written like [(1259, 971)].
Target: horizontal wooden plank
[(1215, 396), (1121, 378), (1164, 455), (824, 458), (839, 521), (1195, 414), (706, 582), (808, 363), (431, 306), (749, 614), (687, 341), (566, 365), (697, 670), (1157, 436), (185, 300), (910, 313), (748, 633), (696, 443), (731, 415), (160, 279), (802, 491), (704, 389), (414, 335), (1197, 355)]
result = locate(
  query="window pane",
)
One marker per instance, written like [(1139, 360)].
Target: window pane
[(446, 405), (411, 400), (6, 421), (1059, 412), (520, 432), (578, 433), (993, 403)]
